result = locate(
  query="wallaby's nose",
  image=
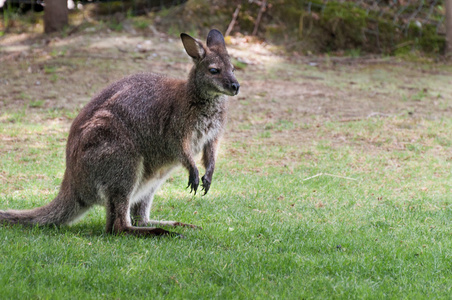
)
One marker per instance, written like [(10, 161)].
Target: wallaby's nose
[(235, 87)]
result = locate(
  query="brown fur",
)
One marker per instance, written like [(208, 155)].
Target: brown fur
[(127, 139)]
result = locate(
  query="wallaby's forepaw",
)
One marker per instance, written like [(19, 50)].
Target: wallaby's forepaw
[(205, 184), (193, 181)]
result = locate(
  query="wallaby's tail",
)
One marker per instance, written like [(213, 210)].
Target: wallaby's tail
[(59, 211)]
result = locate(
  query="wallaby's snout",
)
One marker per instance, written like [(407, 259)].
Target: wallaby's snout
[(231, 85), (235, 86)]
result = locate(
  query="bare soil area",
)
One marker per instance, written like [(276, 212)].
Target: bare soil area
[(295, 93)]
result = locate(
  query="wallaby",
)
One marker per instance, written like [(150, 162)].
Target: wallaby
[(128, 138)]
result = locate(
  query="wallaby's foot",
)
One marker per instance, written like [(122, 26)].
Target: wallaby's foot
[(146, 232), (187, 225), (167, 223), (180, 224)]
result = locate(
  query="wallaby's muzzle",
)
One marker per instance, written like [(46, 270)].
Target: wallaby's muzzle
[(235, 86), (230, 85), (231, 88)]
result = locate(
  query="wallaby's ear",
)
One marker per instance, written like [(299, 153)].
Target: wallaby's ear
[(215, 39), (193, 47)]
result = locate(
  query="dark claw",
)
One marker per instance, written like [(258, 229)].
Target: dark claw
[(192, 187), (193, 181), (203, 189), (205, 184)]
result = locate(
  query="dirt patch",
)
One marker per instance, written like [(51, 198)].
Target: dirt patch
[(290, 95)]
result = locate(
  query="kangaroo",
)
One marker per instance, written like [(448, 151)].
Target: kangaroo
[(126, 141)]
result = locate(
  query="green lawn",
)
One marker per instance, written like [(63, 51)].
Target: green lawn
[(382, 229)]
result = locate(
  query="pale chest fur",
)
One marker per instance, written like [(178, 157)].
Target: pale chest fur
[(204, 132)]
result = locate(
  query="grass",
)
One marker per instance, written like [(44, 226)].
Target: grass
[(268, 233)]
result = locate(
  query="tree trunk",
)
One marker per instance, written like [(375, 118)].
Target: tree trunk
[(448, 28), (55, 15)]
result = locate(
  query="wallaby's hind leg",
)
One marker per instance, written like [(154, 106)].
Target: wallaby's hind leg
[(140, 211), (118, 221), (140, 215)]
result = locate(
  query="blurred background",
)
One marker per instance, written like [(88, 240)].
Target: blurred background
[(305, 27)]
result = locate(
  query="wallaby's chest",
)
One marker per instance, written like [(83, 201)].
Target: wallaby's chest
[(205, 131)]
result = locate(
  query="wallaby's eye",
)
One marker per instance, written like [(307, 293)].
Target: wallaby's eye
[(214, 71)]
